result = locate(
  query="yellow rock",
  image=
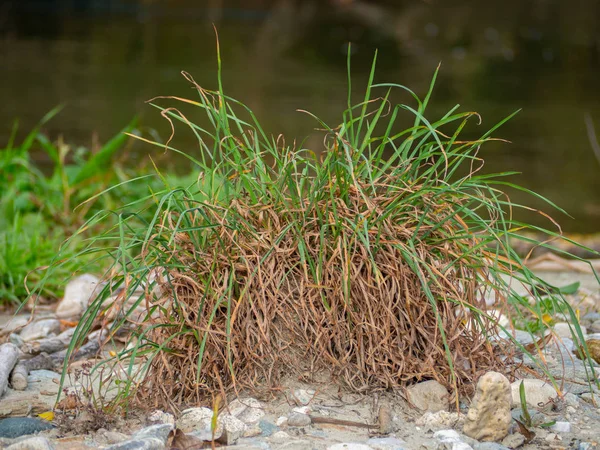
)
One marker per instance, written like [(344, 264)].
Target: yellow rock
[(594, 348)]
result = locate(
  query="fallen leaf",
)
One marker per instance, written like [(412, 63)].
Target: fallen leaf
[(181, 441), (529, 435), (48, 415)]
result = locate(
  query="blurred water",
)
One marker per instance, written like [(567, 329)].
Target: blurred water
[(105, 58)]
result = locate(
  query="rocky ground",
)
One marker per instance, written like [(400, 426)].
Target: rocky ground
[(321, 416)]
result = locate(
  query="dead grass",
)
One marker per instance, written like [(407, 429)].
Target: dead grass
[(365, 318)]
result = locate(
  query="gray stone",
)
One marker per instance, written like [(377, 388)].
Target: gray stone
[(561, 427), (248, 410), (159, 431), (13, 427), (489, 446), (195, 419), (139, 444), (40, 329), (429, 396), (537, 392), (571, 400), (298, 420), (489, 416), (267, 428), (513, 440), (587, 446), (34, 443), (594, 327)]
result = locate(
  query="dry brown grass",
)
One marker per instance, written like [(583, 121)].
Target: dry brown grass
[(366, 320)]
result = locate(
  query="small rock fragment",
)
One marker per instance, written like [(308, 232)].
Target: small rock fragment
[(9, 355), (160, 431), (561, 427), (429, 396), (513, 440), (489, 416), (298, 420), (281, 421), (440, 419), (114, 437), (303, 397), (14, 427), (537, 392), (384, 419), (280, 437), (248, 410), (450, 440), (78, 293), (386, 443), (40, 329), (34, 443), (195, 419), (232, 429), (138, 444)]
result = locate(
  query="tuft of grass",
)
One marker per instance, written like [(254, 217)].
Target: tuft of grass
[(373, 258)]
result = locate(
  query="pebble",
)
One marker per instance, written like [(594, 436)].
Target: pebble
[(489, 446), (489, 416), (513, 440), (248, 410), (536, 392), (595, 327), (561, 427), (267, 428), (280, 436), (298, 420), (77, 296), (281, 421), (13, 427), (450, 440), (440, 419), (195, 419), (303, 397), (138, 444), (34, 443), (571, 400), (563, 329), (41, 329), (159, 431), (429, 396)]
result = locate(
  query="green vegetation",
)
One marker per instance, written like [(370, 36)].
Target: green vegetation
[(372, 257), (40, 209)]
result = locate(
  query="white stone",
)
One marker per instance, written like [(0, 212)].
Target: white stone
[(78, 293), (446, 435), (248, 410), (386, 443), (281, 421), (232, 428), (450, 440), (536, 392), (440, 419), (195, 419), (40, 329), (429, 396), (303, 396), (561, 427), (302, 409), (280, 437), (489, 416)]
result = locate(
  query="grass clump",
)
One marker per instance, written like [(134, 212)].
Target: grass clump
[(373, 258)]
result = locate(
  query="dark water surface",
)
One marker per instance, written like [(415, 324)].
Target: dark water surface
[(105, 58)]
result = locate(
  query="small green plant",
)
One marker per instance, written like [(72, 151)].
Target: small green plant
[(373, 258), (38, 211)]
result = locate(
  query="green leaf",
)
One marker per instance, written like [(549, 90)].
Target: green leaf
[(569, 288), (101, 160), (525, 416)]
